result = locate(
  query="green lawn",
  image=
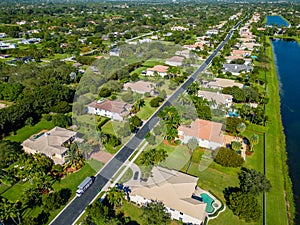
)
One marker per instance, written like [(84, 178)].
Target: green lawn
[(15, 192), (276, 154), (26, 131), (74, 179), (146, 111)]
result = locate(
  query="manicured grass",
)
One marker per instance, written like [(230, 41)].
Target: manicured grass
[(3, 188), (26, 131), (178, 156), (74, 179), (127, 176), (16, 191), (146, 111), (151, 63), (276, 168)]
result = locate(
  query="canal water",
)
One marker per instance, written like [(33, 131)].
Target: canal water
[(287, 61), (276, 20)]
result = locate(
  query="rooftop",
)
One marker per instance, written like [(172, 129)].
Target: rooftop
[(174, 189), (204, 129), (111, 106)]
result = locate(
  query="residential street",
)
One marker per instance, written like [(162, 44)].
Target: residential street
[(74, 209)]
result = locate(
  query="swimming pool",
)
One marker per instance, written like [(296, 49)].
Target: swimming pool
[(209, 202)]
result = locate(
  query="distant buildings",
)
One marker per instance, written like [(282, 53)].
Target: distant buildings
[(53, 143), (114, 110)]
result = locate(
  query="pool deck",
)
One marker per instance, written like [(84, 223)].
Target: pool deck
[(199, 191)]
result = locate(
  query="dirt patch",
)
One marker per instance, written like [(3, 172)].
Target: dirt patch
[(102, 156)]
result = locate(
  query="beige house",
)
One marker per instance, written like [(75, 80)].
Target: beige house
[(217, 98), (51, 143), (140, 87), (175, 61), (174, 189), (220, 83), (115, 110)]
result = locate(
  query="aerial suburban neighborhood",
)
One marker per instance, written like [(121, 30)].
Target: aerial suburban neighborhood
[(149, 112)]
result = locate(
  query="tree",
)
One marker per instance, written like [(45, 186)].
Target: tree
[(244, 205), (155, 213), (253, 181), (61, 120), (192, 144), (135, 122), (9, 153), (115, 197), (104, 92), (228, 158), (32, 197), (231, 124), (254, 139), (152, 157), (155, 101), (241, 127), (85, 149), (236, 145), (150, 139)]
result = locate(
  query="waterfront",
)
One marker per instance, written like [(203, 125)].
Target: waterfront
[(276, 20), (287, 60)]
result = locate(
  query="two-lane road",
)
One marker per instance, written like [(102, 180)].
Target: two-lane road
[(75, 208)]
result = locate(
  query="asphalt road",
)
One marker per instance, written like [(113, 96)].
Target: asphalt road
[(75, 208)]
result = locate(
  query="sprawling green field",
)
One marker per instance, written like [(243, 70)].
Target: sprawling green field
[(26, 131)]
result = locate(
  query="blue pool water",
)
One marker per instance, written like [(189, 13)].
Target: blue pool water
[(277, 21), (234, 114), (209, 202)]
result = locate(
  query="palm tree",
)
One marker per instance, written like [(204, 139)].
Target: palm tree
[(85, 149), (235, 145), (241, 127), (254, 141), (11, 210), (140, 103), (115, 197)]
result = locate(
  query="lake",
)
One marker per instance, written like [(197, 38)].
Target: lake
[(287, 60), (277, 21)]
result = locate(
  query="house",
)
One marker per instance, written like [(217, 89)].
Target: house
[(51, 143), (179, 28), (194, 46), (241, 53), (212, 32), (236, 69), (114, 110), (216, 97), (140, 87), (174, 61), (208, 133), (114, 52), (231, 58), (219, 83), (185, 53), (174, 189), (159, 69), (3, 35)]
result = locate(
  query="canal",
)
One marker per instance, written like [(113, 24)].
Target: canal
[(287, 61)]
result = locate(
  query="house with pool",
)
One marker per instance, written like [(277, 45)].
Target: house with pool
[(183, 199)]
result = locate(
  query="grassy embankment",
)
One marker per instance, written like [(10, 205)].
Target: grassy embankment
[(276, 166)]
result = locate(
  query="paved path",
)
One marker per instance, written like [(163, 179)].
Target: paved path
[(74, 209)]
